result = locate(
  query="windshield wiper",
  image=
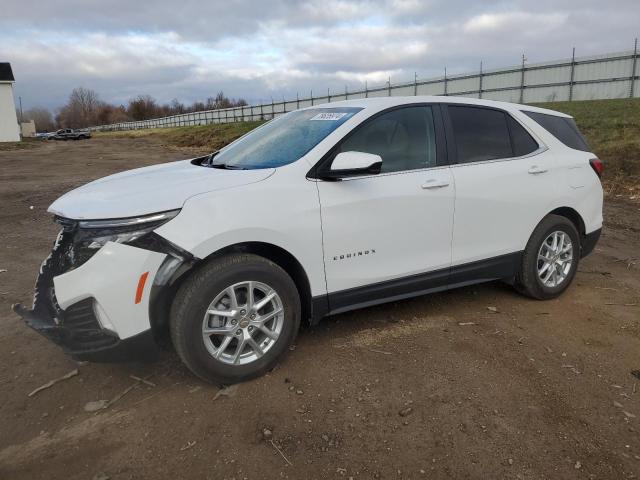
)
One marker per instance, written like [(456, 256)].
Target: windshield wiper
[(225, 166)]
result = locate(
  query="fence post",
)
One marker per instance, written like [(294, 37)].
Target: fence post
[(480, 85), (273, 109), (415, 84), (366, 90), (633, 72), (346, 93), (522, 81), (297, 101), (261, 112), (573, 68), (445, 82), (328, 96), (312, 98), (389, 87)]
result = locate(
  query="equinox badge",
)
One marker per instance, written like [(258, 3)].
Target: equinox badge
[(354, 254)]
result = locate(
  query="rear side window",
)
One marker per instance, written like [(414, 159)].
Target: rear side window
[(480, 134), (523, 143), (564, 129)]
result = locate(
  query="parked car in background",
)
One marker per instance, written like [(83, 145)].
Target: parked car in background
[(45, 135), (320, 211), (71, 134)]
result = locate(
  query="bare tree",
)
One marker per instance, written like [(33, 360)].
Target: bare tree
[(80, 110), (42, 118), (111, 114), (177, 107), (143, 107), (85, 109)]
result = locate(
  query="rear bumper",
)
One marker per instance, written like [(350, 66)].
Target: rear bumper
[(590, 241)]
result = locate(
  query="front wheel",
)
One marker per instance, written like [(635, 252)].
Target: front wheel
[(235, 318), (550, 259)]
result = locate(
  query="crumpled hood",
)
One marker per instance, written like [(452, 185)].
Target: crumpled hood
[(148, 190)]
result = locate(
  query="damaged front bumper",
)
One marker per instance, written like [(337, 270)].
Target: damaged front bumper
[(96, 309)]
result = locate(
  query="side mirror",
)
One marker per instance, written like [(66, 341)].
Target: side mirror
[(353, 164)]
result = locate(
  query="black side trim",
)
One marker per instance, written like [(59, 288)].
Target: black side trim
[(319, 309), (390, 290), (496, 268), (503, 266), (589, 242)]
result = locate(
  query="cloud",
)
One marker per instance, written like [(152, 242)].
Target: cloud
[(501, 23), (257, 50)]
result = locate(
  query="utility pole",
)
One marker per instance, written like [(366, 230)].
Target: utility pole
[(480, 86), (633, 71), (573, 68), (445, 82), (522, 81)]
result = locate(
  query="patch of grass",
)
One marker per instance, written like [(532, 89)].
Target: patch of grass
[(612, 128), (204, 137), (22, 145)]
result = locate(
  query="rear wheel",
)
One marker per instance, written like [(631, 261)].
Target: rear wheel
[(550, 260), (235, 318)]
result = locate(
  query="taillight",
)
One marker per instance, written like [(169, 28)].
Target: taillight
[(597, 166)]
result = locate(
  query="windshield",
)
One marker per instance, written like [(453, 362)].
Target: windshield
[(283, 140)]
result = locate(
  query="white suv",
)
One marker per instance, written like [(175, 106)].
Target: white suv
[(320, 211)]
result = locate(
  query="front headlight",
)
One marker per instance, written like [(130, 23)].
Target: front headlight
[(94, 234)]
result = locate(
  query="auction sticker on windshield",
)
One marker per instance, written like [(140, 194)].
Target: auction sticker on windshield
[(328, 116)]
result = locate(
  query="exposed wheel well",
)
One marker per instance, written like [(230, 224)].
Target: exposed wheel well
[(573, 216), (159, 310), (285, 260)]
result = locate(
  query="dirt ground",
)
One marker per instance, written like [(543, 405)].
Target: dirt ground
[(435, 387)]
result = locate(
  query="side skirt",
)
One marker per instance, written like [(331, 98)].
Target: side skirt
[(496, 268)]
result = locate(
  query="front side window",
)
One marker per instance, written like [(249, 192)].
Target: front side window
[(283, 140), (404, 138), (480, 134)]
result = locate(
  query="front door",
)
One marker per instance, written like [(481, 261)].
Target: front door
[(389, 235)]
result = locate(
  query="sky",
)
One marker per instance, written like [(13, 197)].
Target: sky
[(260, 50)]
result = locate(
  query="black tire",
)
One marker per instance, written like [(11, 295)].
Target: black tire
[(528, 281), (198, 291)]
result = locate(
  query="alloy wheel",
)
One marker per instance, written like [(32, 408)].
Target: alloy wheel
[(555, 259), (243, 322)]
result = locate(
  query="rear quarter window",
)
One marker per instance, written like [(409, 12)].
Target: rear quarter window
[(523, 143), (563, 128)]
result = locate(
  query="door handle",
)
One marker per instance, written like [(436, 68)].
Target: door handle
[(536, 170), (434, 183)]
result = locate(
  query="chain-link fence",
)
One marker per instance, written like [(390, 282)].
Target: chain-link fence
[(612, 75)]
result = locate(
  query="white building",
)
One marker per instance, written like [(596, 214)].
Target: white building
[(9, 129)]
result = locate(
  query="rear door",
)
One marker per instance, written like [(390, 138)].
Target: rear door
[(505, 185), (382, 233)]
